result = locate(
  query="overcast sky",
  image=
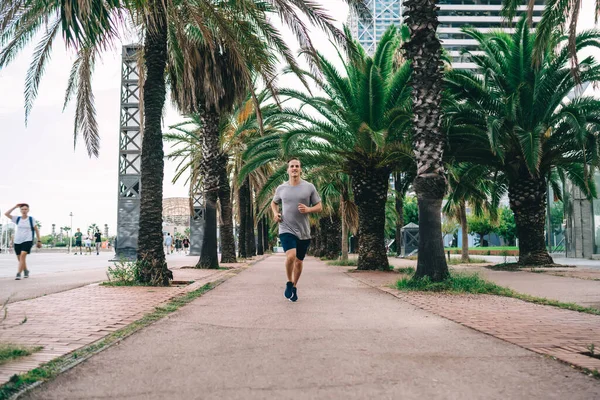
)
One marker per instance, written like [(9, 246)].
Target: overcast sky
[(38, 164)]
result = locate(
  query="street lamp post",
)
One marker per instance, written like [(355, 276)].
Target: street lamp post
[(71, 229)]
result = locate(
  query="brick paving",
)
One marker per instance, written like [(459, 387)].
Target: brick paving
[(66, 321), (547, 330)]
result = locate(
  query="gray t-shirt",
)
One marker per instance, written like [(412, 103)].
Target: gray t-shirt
[(289, 197)]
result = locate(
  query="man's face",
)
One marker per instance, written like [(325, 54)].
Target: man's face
[(294, 169), (24, 209)]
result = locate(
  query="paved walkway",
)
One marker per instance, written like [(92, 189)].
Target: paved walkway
[(66, 321), (342, 339), (585, 292)]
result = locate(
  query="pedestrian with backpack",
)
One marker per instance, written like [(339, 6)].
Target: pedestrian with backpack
[(25, 235)]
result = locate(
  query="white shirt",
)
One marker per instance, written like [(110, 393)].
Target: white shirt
[(23, 232)]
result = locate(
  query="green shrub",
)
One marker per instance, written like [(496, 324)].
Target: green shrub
[(124, 273)]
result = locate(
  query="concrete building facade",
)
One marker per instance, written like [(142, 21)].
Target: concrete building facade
[(453, 15)]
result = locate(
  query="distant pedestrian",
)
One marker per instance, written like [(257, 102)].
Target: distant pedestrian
[(186, 245), (168, 243), (178, 245), (298, 198), (98, 238), (88, 245), (25, 234), (78, 237)]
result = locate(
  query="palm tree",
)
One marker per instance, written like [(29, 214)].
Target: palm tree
[(554, 20), (475, 185), (362, 131), (425, 54), (402, 182), (243, 29), (518, 120)]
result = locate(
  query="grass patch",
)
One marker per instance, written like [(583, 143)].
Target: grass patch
[(472, 260), (51, 369), (461, 283), (344, 263), (456, 283), (406, 270), (483, 248), (9, 352), (123, 283)]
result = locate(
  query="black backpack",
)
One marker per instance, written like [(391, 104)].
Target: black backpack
[(30, 224)]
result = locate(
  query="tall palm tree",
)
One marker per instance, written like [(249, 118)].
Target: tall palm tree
[(425, 54), (362, 129), (556, 15), (92, 26), (518, 119), (475, 185)]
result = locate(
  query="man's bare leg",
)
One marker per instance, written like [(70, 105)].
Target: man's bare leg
[(297, 271), (290, 257)]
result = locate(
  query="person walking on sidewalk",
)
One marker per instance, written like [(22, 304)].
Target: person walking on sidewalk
[(298, 198), (25, 235), (168, 243), (98, 241), (88, 244), (78, 236)]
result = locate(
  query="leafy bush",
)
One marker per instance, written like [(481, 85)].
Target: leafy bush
[(124, 273)]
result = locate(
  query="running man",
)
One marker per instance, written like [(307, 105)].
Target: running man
[(298, 198), (24, 236), (78, 236)]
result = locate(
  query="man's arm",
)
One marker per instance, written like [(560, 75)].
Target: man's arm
[(317, 208), (276, 213), (7, 214), (304, 209), (37, 235)]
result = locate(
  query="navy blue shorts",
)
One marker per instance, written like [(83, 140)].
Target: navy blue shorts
[(25, 246), (289, 241)]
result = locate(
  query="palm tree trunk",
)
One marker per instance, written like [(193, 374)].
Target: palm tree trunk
[(424, 51), (150, 239), (527, 198), (464, 231), (211, 159), (344, 233), (226, 227), (250, 243), (265, 233), (370, 193), (399, 221), (260, 250), (243, 193)]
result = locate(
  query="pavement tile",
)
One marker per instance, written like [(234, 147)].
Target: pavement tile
[(65, 321)]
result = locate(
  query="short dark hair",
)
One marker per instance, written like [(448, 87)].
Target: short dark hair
[(294, 158), (23, 205)]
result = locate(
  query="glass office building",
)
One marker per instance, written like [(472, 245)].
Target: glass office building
[(453, 15)]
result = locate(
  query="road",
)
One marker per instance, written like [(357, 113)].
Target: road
[(52, 272)]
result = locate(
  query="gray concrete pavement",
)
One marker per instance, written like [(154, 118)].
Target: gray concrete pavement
[(341, 340), (569, 290), (558, 259), (52, 273)]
